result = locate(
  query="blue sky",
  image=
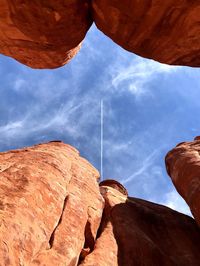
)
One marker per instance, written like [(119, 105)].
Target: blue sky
[(148, 109)]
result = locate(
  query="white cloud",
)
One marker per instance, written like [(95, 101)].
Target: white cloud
[(12, 127), (18, 83), (134, 76), (71, 118)]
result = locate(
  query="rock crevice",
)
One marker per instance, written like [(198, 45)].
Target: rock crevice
[(51, 240)]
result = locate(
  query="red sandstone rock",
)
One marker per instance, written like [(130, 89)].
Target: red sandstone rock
[(166, 31), (47, 34), (43, 34), (52, 213), (49, 203), (183, 166), (137, 232)]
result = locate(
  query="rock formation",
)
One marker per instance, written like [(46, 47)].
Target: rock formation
[(43, 34), (166, 31), (54, 212), (183, 166), (137, 232), (47, 34), (49, 203)]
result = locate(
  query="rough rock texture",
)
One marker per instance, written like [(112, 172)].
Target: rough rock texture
[(52, 212), (137, 232), (49, 201), (183, 166), (43, 34), (167, 31), (47, 34)]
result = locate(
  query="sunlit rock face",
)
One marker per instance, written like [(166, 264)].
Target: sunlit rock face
[(43, 34), (166, 31), (54, 212), (47, 34), (183, 166), (49, 200)]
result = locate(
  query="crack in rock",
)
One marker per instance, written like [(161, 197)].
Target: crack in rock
[(51, 240)]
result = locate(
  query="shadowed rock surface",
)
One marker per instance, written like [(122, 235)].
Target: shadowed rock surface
[(53, 212), (166, 31), (137, 232), (47, 34), (183, 166), (43, 34)]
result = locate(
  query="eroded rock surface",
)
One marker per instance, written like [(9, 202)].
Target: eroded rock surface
[(166, 31), (137, 232), (47, 34), (53, 212), (49, 196), (43, 34), (183, 166)]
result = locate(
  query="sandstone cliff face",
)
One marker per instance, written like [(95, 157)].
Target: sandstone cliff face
[(183, 166), (47, 34), (49, 196), (53, 212)]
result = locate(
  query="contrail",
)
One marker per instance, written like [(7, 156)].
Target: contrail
[(101, 140), (147, 162)]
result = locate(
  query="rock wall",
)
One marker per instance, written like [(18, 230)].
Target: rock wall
[(54, 212), (49, 203), (137, 232), (183, 166), (47, 34)]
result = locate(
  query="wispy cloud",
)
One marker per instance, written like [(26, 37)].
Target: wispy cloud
[(148, 161), (174, 201), (134, 76), (71, 117), (11, 128)]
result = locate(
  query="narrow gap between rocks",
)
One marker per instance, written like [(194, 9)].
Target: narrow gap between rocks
[(90, 240)]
